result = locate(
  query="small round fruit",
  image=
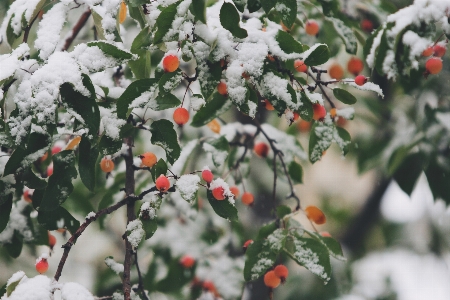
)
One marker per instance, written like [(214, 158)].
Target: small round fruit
[(162, 183), (148, 159), (299, 66), (439, 50), (42, 266), (107, 165), (434, 65), (171, 63), (222, 88), (271, 280), (336, 71), (51, 240), (319, 111), (268, 105), (282, 272), (261, 149), (311, 27), (296, 116), (27, 196), (303, 126), (427, 52), (314, 214), (367, 25), (214, 125), (56, 149), (44, 157), (218, 193), (209, 286), (207, 176), (360, 80), (181, 116), (235, 191), (50, 170), (355, 66), (187, 261), (247, 198), (246, 244)]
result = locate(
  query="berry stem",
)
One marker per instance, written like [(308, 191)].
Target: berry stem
[(319, 84)]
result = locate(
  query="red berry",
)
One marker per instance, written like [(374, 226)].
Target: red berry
[(207, 176), (246, 244), (303, 126), (56, 149), (162, 183), (319, 111), (222, 88), (271, 280), (209, 286), (148, 159), (282, 272), (268, 105), (50, 170), (42, 265), (311, 27), (439, 50), (170, 63), (315, 215), (181, 116), (355, 65), (296, 116), (360, 80), (218, 193), (434, 65), (187, 261), (261, 149), (336, 71), (427, 52), (27, 196), (235, 191), (51, 240), (247, 198), (107, 165), (367, 25), (299, 66)]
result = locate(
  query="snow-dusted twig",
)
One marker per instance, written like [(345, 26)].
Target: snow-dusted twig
[(76, 29)]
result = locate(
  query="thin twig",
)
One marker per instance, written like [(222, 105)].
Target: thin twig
[(319, 84), (28, 28), (76, 29), (141, 281)]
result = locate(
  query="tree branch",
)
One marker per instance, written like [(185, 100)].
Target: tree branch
[(141, 281), (28, 28), (76, 29)]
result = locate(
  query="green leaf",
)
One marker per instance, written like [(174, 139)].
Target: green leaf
[(150, 226), (369, 41), (229, 18), (59, 218), (165, 136), (346, 139), (287, 43), (85, 109), (98, 25), (283, 210), (344, 96), (345, 33), (219, 150), (439, 180), (60, 183), (223, 208), (211, 110), (15, 247), (177, 277), (112, 50), (198, 9), (169, 81), (133, 91), (137, 14), (306, 110), (164, 21), (296, 172), (266, 230), (381, 53), (409, 171), (211, 77), (253, 5), (319, 55), (10, 35), (86, 163), (109, 146), (5, 210), (11, 286), (160, 168), (141, 67), (313, 255), (287, 10), (262, 254), (32, 181), (267, 5), (318, 144), (333, 246), (3, 290), (329, 7)]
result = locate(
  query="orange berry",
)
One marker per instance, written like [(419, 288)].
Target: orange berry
[(303, 126), (314, 214), (247, 198), (218, 193), (44, 157), (299, 66), (336, 71), (427, 52), (296, 116), (207, 176), (209, 286), (333, 113), (222, 88), (439, 50), (341, 122), (51, 240), (107, 165), (122, 12), (271, 280), (170, 63), (360, 80), (214, 126), (50, 170), (268, 105), (235, 191), (434, 65), (311, 27), (355, 65), (181, 116), (367, 25), (27, 196), (246, 244), (42, 266), (261, 149), (148, 159), (282, 272), (162, 183), (187, 261), (319, 111)]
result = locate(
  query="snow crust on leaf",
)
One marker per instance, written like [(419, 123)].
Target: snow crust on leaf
[(188, 186)]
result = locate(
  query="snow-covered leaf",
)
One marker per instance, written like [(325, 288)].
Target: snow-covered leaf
[(133, 91), (316, 55), (229, 18), (287, 9), (287, 43), (211, 110), (164, 21), (164, 135), (223, 208), (58, 218), (219, 149), (187, 185), (345, 33), (86, 163)]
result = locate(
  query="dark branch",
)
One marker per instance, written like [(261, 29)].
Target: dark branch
[(76, 29)]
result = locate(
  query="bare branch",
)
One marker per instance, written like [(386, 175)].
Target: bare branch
[(76, 29)]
